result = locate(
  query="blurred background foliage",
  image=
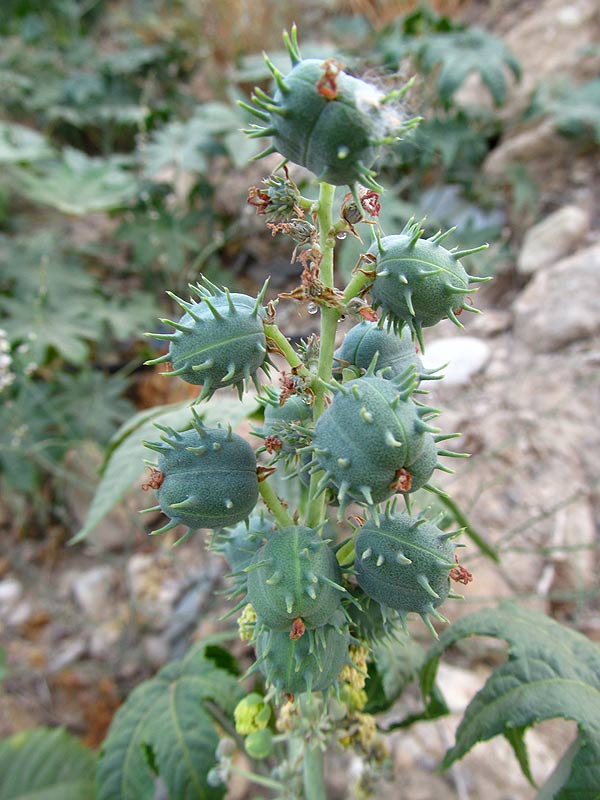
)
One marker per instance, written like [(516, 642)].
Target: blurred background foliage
[(124, 173)]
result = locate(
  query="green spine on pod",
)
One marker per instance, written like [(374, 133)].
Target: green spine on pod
[(325, 119), (418, 282), (295, 575), (405, 564), (219, 341), (208, 477)]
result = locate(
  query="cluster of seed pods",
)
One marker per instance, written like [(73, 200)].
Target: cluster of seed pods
[(307, 597)]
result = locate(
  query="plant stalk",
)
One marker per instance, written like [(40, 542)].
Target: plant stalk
[(274, 504), (282, 343), (329, 320), (314, 774)]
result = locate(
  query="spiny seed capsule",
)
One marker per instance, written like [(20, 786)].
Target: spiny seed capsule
[(279, 431), (325, 119), (294, 575), (371, 430), (418, 282), (210, 477), (405, 564), (311, 663), (396, 353), (219, 341), (238, 546)]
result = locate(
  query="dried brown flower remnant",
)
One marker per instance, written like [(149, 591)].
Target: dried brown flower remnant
[(327, 84), (460, 574), (154, 481)]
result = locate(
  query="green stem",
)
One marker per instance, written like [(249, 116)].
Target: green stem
[(282, 343), (269, 783), (274, 504), (357, 283), (314, 774), (329, 320)]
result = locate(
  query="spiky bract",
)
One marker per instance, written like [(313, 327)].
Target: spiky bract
[(326, 120), (219, 341), (294, 575), (371, 622), (311, 663), (363, 341), (209, 477), (405, 563), (418, 282), (238, 546), (371, 430)]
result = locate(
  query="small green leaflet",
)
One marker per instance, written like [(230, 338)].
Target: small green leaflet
[(19, 144), (575, 109), (458, 53), (124, 464), (165, 727), (551, 671), (395, 666), (78, 184), (46, 764)]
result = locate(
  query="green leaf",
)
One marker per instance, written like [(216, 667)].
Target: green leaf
[(165, 725), (575, 109), (78, 184), (459, 53), (19, 144), (551, 671), (188, 145), (396, 665), (397, 662), (124, 465), (46, 765)]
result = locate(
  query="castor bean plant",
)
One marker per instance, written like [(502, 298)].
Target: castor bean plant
[(327, 585)]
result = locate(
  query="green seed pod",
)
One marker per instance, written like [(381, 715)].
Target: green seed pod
[(295, 575), (325, 119), (311, 663), (405, 564), (396, 353), (418, 282), (279, 429), (370, 432), (239, 544), (219, 341), (208, 477)]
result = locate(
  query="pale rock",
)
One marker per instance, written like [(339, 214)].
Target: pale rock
[(156, 650), (548, 38), (69, 651), (93, 591), (20, 613), (11, 591), (459, 685), (556, 236), (465, 356), (561, 304), (104, 638), (154, 589), (539, 142)]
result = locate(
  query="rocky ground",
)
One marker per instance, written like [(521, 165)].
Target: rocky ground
[(82, 626)]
